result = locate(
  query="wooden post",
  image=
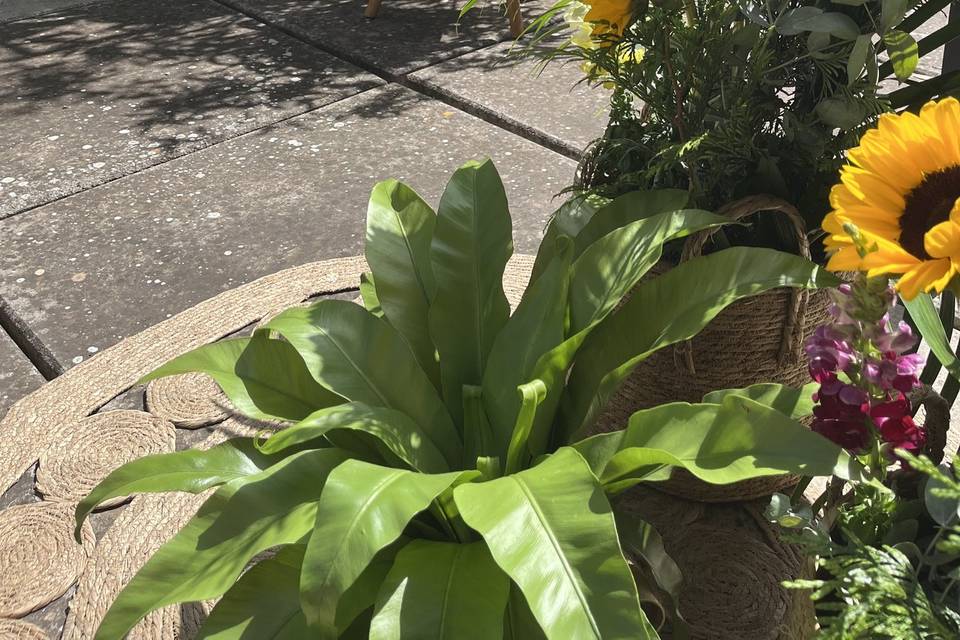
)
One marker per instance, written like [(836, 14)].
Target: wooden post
[(515, 18), (373, 9)]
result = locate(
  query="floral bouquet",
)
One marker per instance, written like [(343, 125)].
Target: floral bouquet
[(888, 550)]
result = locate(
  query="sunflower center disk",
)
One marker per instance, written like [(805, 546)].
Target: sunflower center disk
[(927, 205)]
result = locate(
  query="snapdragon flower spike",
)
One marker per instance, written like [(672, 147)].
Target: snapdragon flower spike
[(863, 346)]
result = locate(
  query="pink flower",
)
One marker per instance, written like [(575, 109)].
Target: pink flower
[(828, 352), (893, 372)]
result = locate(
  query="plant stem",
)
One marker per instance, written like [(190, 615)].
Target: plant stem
[(690, 12), (943, 596)]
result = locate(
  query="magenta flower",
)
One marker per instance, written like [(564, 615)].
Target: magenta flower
[(841, 414), (896, 426), (828, 352)]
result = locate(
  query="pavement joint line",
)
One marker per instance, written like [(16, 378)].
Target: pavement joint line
[(29, 342), (12, 214), (423, 87)]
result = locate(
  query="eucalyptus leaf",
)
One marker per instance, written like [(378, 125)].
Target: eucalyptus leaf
[(840, 113), (857, 61), (574, 589), (442, 591), (361, 358), (264, 379), (363, 508), (754, 11), (471, 245), (399, 232), (891, 14), (945, 511), (243, 518), (809, 18), (903, 52)]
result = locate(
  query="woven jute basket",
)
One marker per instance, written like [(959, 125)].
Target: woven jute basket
[(733, 564), (756, 339)]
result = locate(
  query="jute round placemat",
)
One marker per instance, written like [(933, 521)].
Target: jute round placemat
[(40, 420), (516, 277), (39, 558), (20, 630), (189, 401), (95, 446), (143, 527)]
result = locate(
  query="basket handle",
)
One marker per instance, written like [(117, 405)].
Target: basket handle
[(791, 340)]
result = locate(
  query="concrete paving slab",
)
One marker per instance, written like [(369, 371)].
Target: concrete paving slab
[(87, 270), (16, 9), (95, 93), (17, 376), (548, 101), (408, 35)]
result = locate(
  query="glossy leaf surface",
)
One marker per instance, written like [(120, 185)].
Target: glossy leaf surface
[(363, 509), (471, 245), (264, 379), (396, 430), (243, 518), (399, 231), (790, 401), (442, 591), (694, 293), (192, 471), (737, 440), (364, 359), (551, 529)]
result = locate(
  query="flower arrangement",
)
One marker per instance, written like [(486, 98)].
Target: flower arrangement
[(729, 99), (888, 557)]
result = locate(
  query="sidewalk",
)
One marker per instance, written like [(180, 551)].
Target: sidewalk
[(158, 153)]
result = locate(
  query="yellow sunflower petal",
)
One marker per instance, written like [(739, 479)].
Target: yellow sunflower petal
[(943, 117), (845, 259), (609, 16), (872, 189), (943, 241), (923, 277)]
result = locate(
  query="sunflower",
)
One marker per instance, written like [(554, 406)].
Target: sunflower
[(897, 207), (592, 18)]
